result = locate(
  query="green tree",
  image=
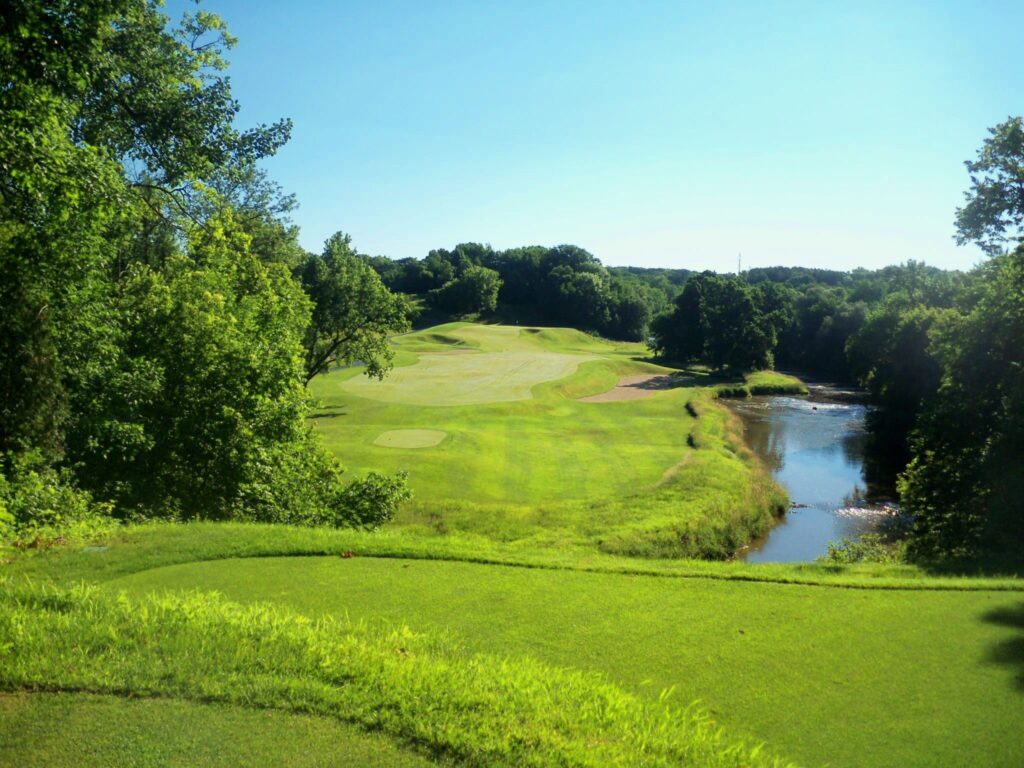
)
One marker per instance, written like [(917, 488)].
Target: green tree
[(994, 212), (679, 334), (354, 314), (475, 291), (151, 338), (964, 486)]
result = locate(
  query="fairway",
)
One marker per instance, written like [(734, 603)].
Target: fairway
[(467, 379), (847, 677), (511, 433)]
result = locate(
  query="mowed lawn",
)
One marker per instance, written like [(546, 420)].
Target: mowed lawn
[(825, 675), (489, 424), (62, 729), (508, 438)]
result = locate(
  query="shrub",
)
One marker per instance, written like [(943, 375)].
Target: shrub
[(869, 548), (40, 504)]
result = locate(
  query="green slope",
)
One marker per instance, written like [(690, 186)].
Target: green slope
[(844, 677)]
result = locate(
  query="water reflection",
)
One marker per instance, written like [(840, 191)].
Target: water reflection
[(815, 446)]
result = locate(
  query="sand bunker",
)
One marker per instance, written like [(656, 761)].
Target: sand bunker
[(634, 388), (410, 438)]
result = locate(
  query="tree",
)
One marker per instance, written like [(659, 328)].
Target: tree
[(679, 334), (112, 124), (994, 213), (737, 337), (354, 314), (150, 338), (963, 486), (474, 292)]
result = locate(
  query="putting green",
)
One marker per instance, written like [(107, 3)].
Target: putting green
[(467, 379), (410, 438)]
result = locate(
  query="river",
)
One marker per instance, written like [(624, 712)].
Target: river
[(815, 447)]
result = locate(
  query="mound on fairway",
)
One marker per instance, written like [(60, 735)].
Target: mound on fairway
[(410, 438), (467, 379)]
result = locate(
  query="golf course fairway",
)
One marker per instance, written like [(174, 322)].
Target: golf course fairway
[(525, 455)]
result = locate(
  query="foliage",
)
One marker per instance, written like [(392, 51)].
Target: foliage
[(723, 321), (867, 548), (39, 503), (473, 292), (963, 485), (150, 344), (561, 285), (353, 312), (994, 213)]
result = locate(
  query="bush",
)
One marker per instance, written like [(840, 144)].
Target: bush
[(40, 504), (301, 484), (869, 548)]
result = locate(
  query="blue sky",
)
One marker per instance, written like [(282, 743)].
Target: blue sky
[(667, 134)]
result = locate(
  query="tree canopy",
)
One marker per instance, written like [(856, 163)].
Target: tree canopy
[(151, 344)]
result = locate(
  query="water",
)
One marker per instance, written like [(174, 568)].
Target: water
[(815, 446)]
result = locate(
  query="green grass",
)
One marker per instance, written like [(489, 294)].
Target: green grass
[(78, 730), (410, 438), (426, 691), (514, 614), (525, 460), (844, 677), (838, 665)]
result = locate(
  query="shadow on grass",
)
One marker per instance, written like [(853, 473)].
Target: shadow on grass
[(1009, 653), (329, 412)]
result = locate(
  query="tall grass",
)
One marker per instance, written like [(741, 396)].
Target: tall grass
[(477, 709)]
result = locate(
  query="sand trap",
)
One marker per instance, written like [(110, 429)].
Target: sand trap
[(634, 388), (410, 438)]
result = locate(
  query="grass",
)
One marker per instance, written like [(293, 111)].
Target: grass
[(424, 691), (63, 729), (410, 438), (524, 460), (844, 677), (836, 665)]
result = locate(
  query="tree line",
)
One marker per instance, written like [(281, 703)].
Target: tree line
[(563, 285), (159, 319)]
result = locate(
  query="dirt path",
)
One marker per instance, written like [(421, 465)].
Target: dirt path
[(634, 388)]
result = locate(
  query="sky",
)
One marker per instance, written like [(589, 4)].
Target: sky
[(657, 134)]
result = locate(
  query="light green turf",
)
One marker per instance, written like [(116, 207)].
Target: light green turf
[(410, 438), (81, 730), (627, 477), (844, 677), (468, 378)]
